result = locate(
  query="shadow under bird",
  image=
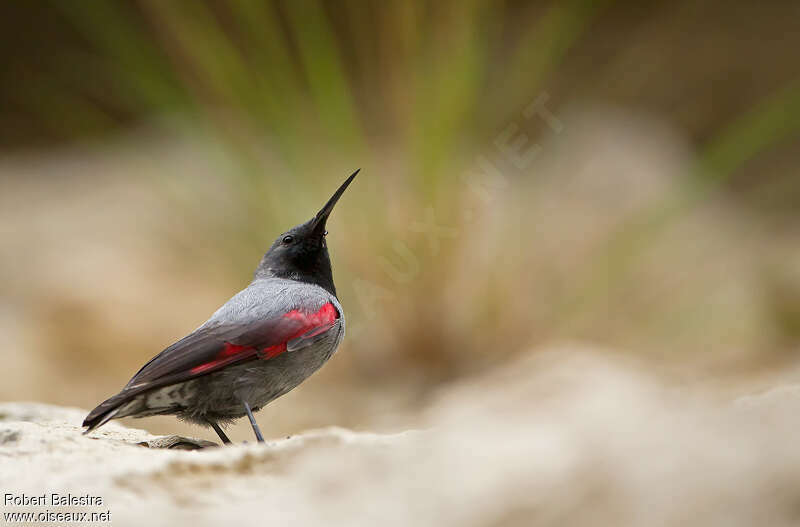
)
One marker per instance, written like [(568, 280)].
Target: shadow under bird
[(262, 343)]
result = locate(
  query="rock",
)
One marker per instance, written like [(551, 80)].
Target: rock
[(566, 437), (178, 443)]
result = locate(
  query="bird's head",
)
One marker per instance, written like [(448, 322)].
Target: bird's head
[(301, 253)]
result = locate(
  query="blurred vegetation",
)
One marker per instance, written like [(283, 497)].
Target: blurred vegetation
[(289, 97)]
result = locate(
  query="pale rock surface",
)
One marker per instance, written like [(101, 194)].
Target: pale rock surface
[(563, 437)]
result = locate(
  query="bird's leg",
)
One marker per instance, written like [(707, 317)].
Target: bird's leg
[(253, 423), (219, 432)]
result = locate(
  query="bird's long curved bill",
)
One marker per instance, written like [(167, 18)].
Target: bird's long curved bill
[(322, 215)]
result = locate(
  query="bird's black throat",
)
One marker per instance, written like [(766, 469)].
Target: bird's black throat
[(304, 259)]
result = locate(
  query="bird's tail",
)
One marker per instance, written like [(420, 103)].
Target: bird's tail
[(105, 411)]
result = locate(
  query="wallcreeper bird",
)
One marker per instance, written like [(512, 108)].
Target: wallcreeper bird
[(263, 342)]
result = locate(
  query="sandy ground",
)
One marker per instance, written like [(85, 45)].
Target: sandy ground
[(561, 437)]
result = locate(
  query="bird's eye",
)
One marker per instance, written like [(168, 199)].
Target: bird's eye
[(288, 239), (325, 233)]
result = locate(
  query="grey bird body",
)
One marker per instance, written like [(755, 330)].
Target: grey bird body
[(218, 396)]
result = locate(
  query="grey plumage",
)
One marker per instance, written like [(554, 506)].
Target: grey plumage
[(217, 396)]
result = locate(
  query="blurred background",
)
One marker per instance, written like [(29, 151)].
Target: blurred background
[(618, 173)]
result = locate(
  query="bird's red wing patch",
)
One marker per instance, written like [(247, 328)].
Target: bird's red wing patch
[(310, 325), (326, 315), (230, 353), (305, 325)]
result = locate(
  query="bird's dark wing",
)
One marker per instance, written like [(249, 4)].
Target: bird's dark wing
[(214, 346)]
